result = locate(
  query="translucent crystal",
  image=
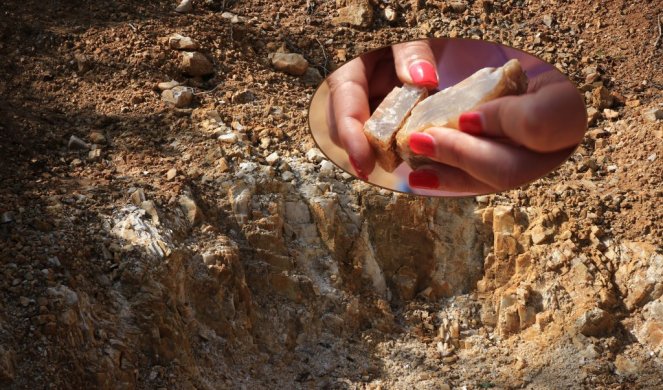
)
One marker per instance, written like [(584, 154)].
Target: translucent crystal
[(444, 107)]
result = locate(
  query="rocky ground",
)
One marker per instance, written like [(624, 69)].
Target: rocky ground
[(195, 238)]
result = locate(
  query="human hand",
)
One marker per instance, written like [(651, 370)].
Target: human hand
[(504, 143), (362, 83)]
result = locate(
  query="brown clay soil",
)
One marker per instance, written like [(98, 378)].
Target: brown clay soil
[(567, 295)]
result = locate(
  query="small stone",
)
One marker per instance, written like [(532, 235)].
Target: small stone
[(390, 14), (179, 97), (314, 155), (54, 262), (229, 138), (610, 114), (234, 19), (180, 42), (76, 143), (7, 217), (7, 365), (548, 20), (601, 98), (82, 62), (196, 64), (24, 301), (170, 175), (291, 63), (457, 6), (184, 6), (357, 13), (241, 97), (595, 322), (190, 209), (611, 168), (94, 155), (97, 137), (151, 210), (223, 164), (326, 168), (287, 176), (166, 85), (312, 77), (651, 157), (625, 366), (654, 115), (137, 197), (272, 158), (592, 116)]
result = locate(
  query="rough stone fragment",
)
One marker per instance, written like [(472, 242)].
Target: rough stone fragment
[(185, 6), (243, 96), (76, 143), (94, 155), (314, 155), (97, 137), (179, 97), (165, 85), (654, 115), (592, 116), (651, 331), (381, 128), (610, 114), (7, 364), (180, 42), (170, 175), (444, 107), (291, 63), (595, 322), (196, 64), (356, 13), (191, 210)]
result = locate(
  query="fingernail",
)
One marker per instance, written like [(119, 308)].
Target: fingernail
[(471, 123), (358, 170), (423, 73), (422, 143), (424, 178)]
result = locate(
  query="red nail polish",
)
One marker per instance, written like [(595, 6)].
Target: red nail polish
[(471, 123), (422, 143), (358, 170), (423, 73), (424, 178)]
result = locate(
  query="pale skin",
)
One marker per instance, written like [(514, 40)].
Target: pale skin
[(350, 95), (522, 138)]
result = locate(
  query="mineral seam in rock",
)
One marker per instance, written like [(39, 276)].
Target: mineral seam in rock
[(390, 115)]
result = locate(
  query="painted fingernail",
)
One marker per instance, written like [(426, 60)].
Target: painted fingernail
[(471, 123), (422, 143), (423, 73), (424, 178), (358, 170)]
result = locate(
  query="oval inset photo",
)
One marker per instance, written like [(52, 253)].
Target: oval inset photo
[(447, 117)]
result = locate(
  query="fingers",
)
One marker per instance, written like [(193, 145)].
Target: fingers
[(446, 178), (551, 118), (349, 99), (498, 165), (416, 64)]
